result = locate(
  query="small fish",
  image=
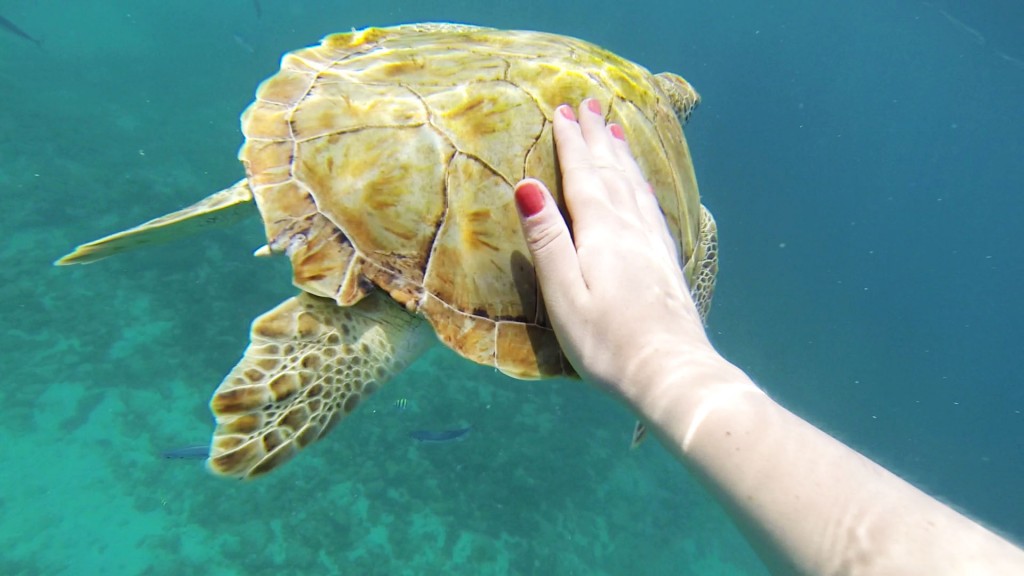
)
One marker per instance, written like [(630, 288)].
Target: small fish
[(243, 44), (639, 433), (437, 436), (259, 9), (197, 452), (13, 29), (401, 404)]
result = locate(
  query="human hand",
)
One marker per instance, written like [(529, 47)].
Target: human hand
[(614, 291)]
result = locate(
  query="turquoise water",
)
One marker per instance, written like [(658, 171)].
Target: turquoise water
[(863, 161)]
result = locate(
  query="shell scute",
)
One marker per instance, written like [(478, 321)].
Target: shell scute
[(384, 159)]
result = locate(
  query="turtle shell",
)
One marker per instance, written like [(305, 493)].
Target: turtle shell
[(385, 159)]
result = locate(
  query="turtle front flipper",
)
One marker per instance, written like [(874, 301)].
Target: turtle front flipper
[(706, 260), (221, 209), (309, 365)]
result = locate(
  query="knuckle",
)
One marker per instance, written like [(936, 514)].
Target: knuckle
[(544, 237)]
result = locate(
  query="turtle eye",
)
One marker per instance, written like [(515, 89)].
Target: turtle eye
[(296, 242)]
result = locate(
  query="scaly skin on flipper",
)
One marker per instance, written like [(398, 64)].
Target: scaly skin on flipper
[(706, 264), (309, 364), (217, 210)]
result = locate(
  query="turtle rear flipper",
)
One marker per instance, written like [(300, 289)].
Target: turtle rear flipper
[(218, 210), (309, 364)]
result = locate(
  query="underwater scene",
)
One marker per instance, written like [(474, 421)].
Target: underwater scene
[(865, 165)]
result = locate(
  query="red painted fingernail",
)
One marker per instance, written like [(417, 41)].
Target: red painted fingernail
[(529, 199), (567, 112), (617, 132), (594, 106)]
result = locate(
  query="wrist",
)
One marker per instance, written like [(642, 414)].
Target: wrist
[(674, 393)]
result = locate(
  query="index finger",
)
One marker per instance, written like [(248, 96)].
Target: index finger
[(584, 188)]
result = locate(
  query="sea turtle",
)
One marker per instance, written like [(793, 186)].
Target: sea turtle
[(382, 164)]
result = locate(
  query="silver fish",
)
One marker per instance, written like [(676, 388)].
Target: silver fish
[(197, 452), (435, 436), (243, 44)]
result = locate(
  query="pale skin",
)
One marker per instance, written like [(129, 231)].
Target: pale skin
[(807, 503)]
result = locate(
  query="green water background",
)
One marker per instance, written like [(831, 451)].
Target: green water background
[(863, 161)]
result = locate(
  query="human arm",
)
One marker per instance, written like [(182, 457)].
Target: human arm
[(624, 317)]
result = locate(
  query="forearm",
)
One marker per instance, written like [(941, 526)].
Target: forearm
[(808, 503)]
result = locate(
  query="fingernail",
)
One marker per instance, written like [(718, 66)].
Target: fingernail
[(617, 132), (567, 112), (529, 199), (594, 106)]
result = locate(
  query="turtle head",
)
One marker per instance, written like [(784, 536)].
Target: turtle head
[(683, 97)]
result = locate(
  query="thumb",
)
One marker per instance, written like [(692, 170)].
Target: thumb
[(547, 236)]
